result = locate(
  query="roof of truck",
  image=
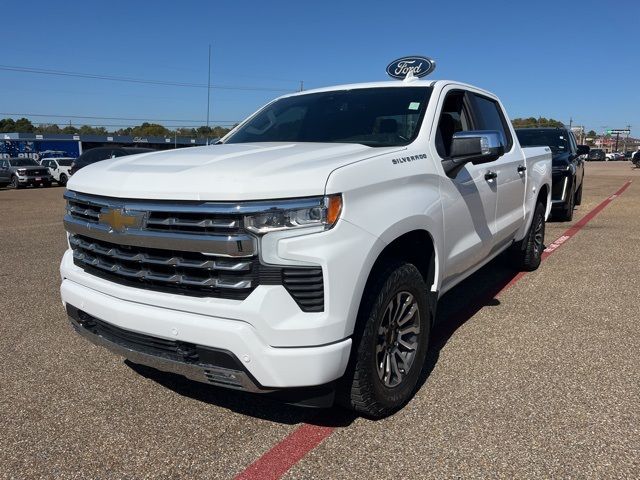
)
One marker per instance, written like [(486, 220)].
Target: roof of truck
[(387, 83)]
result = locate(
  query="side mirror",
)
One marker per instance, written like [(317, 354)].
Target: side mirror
[(479, 146), (583, 150)]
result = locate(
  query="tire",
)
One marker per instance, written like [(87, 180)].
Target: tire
[(366, 388), (527, 253), (63, 180), (578, 200), (15, 184)]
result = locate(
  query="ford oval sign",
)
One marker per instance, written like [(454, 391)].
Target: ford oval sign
[(418, 66)]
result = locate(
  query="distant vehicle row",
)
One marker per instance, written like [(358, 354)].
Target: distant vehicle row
[(24, 172)]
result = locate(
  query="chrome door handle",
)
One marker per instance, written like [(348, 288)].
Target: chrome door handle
[(490, 175)]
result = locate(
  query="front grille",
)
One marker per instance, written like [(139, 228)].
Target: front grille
[(171, 220), (159, 246), (180, 272), (37, 172)]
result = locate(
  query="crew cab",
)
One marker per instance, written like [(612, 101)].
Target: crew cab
[(59, 168), (22, 172), (306, 252), (568, 166)]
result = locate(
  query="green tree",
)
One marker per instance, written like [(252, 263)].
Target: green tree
[(7, 125), (536, 122), (150, 130), (70, 130), (47, 128)]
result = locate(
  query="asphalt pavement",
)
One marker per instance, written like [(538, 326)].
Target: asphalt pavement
[(541, 380)]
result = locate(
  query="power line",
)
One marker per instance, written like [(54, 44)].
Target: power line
[(89, 117), (42, 71)]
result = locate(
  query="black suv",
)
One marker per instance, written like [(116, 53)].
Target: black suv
[(568, 165), (104, 153), (597, 155)]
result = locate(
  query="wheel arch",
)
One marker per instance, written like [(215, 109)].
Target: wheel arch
[(418, 247)]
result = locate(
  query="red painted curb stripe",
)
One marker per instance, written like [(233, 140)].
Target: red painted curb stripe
[(579, 225), (285, 454)]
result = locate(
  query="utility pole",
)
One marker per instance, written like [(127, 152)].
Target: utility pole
[(570, 122), (301, 85), (624, 149), (208, 92)]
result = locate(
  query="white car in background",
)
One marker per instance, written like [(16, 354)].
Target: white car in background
[(59, 168)]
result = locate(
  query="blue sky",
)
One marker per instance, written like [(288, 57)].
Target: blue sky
[(578, 59)]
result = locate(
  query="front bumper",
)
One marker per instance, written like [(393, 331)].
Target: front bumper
[(35, 180), (265, 367)]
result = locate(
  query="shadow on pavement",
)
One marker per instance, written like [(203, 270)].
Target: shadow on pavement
[(264, 406), (462, 302), (454, 309)]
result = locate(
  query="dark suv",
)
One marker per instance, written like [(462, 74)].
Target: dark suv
[(568, 165), (597, 155), (104, 153)]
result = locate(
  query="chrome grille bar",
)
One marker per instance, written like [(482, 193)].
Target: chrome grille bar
[(171, 261), (234, 245)]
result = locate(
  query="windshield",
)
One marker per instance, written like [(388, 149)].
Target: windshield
[(555, 139), (376, 117), (23, 162), (65, 162)]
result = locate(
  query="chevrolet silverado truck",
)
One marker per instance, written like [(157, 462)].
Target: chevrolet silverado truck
[(567, 166), (306, 251)]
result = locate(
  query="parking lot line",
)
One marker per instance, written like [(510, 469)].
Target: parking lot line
[(273, 464)]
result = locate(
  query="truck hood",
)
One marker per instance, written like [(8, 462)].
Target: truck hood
[(250, 171)]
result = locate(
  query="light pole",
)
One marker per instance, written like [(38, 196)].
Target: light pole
[(208, 92)]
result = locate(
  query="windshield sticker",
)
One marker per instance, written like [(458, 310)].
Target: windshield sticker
[(414, 105)]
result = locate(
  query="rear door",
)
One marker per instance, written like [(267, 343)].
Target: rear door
[(510, 170), (469, 198)]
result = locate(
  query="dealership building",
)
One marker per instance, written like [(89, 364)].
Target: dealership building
[(37, 146)]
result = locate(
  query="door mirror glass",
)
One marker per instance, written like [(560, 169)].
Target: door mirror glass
[(583, 149)]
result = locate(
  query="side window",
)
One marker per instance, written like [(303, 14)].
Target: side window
[(490, 117), (454, 118), (573, 143)]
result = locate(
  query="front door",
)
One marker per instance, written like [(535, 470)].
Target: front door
[(469, 199)]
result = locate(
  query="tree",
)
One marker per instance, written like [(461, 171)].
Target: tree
[(150, 130), (22, 125), (47, 128), (536, 122), (592, 134), (70, 130), (7, 125), (89, 130)]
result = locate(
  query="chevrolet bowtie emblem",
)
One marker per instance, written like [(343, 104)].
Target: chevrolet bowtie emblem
[(119, 219)]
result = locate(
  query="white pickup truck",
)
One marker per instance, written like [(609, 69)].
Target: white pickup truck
[(306, 251)]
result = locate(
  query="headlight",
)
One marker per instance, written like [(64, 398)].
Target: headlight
[(303, 213), (22, 172)]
